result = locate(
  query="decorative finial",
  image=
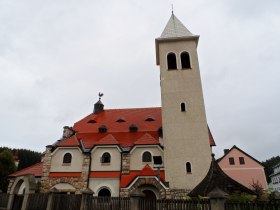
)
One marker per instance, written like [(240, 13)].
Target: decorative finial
[(100, 95), (172, 8)]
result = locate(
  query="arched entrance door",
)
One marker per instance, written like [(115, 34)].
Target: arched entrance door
[(149, 195), (104, 193)]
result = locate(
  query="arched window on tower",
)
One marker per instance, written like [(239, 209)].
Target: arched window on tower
[(188, 167), (146, 157), (106, 158), (171, 61), (183, 107), (67, 158), (185, 60)]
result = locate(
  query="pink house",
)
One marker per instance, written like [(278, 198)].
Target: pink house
[(242, 167)]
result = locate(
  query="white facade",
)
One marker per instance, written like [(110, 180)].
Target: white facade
[(275, 178)]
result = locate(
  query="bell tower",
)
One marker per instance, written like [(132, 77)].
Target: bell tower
[(187, 152)]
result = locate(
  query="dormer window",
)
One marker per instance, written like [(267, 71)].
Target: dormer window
[(92, 121), (102, 129), (185, 60), (133, 128), (149, 119), (171, 61), (120, 120)]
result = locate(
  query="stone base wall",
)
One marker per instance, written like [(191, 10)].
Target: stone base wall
[(11, 182), (77, 182), (178, 193)]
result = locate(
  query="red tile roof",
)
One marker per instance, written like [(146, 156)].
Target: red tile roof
[(69, 142), (118, 130), (35, 169), (146, 139)]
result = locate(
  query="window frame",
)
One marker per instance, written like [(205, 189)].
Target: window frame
[(231, 161), (188, 167), (146, 159), (67, 158), (185, 67), (171, 61), (106, 158)]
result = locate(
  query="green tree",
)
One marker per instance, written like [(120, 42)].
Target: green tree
[(268, 164), (7, 166)]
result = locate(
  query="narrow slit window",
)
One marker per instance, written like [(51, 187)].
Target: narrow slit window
[(171, 61), (185, 60), (188, 167), (183, 107)]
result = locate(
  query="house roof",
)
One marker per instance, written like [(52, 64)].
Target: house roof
[(117, 122), (175, 28), (217, 178), (35, 169), (235, 147)]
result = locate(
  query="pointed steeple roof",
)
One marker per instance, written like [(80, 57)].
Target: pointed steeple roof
[(174, 29)]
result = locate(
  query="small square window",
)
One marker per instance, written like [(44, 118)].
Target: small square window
[(241, 160), (231, 161)]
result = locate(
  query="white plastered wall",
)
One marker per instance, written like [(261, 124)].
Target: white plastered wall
[(136, 156), (57, 160), (114, 165)]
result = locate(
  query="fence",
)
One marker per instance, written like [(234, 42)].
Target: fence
[(3, 200), (56, 201), (145, 204), (273, 205)]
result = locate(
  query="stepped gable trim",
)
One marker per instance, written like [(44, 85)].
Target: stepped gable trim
[(65, 174), (35, 169), (217, 178), (240, 150), (147, 171), (146, 139)]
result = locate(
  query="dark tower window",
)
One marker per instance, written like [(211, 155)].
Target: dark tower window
[(185, 60), (146, 157), (188, 167), (104, 193), (106, 158), (171, 61), (183, 107), (67, 158)]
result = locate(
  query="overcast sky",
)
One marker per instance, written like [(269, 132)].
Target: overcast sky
[(55, 56)]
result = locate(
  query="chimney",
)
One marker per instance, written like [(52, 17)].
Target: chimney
[(67, 132), (226, 151)]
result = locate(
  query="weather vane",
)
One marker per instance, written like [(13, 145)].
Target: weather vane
[(100, 95), (172, 8)]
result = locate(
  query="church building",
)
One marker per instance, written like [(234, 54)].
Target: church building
[(163, 151)]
